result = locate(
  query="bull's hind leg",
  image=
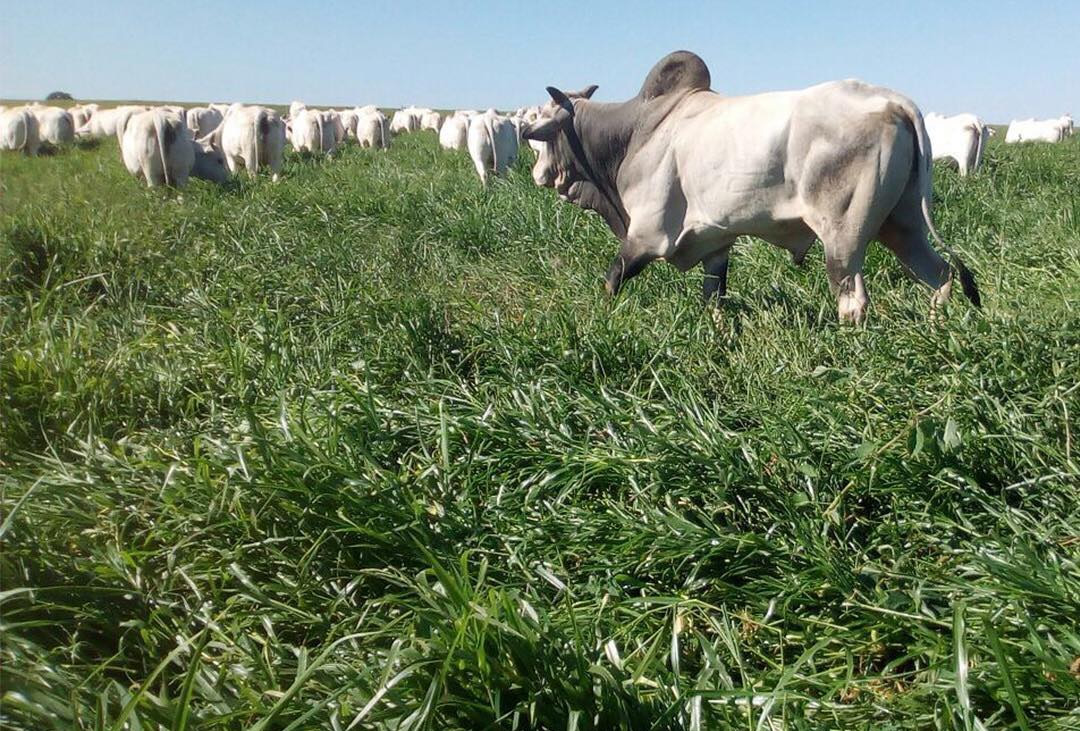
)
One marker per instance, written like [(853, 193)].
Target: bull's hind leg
[(905, 236)]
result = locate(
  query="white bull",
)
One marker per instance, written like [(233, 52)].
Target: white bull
[(678, 172), (454, 134), (961, 137), (492, 143), (372, 128), (19, 131), (251, 137), (157, 146), (55, 125)]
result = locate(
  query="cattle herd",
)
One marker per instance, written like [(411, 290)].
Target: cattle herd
[(165, 145), (678, 172)]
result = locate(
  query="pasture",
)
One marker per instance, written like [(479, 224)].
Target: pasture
[(370, 448)]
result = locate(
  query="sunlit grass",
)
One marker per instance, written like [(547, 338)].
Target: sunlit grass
[(370, 447)]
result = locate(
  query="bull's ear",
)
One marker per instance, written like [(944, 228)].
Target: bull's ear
[(588, 91), (542, 130), (561, 99)]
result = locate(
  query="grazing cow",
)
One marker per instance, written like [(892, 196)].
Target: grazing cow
[(348, 121), (313, 131), (432, 120), (251, 137), (55, 125), (81, 113), (157, 146), (372, 128), (492, 144), (454, 134), (203, 120), (961, 137), (340, 132), (1039, 130), (404, 120), (678, 172), (19, 130), (108, 122)]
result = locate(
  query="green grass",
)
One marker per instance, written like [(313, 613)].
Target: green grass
[(370, 448)]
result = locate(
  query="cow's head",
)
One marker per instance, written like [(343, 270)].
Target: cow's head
[(209, 161), (554, 167), (563, 164)]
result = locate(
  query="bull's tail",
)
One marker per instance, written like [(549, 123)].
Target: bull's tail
[(924, 167), (165, 135), (980, 131), (494, 147), (255, 153)]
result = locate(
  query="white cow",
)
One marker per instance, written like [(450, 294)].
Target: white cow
[(492, 144), (454, 134), (55, 125), (295, 108), (431, 119), (372, 128), (961, 137), (81, 113), (251, 137), (203, 120), (313, 131), (109, 122), (348, 121), (19, 130), (340, 131), (405, 120), (1038, 130), (157, 146)]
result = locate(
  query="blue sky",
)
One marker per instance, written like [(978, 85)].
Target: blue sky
[(996, 58)]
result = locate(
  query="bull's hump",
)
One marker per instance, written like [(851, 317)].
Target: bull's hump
[(678, 71)]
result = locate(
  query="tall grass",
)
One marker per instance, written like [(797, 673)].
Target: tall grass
[(369, 448)]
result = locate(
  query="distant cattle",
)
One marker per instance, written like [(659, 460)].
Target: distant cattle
[(961, 137), (372, 128), (348, 122), (81, 113), (678, 172), (157, 146), (55, 125), (405, 120), (203, 120), (1039, 130), (454, 133), (109, 122), (251, 138), (19, 130), (315, 132), (492, 144), (432, 120)]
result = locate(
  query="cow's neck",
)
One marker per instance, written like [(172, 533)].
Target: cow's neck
[(599, 139)]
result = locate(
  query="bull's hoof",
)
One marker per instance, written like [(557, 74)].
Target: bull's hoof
[(851, 309)]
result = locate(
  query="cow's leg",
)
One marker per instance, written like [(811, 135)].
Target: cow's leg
[(843, 262), (906, 237), (714, 287)]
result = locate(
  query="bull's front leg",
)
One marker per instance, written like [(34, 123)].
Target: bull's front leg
[(714, 286), (625, 266)]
